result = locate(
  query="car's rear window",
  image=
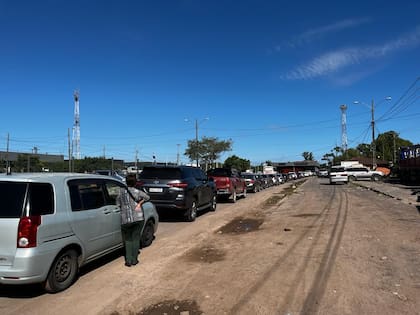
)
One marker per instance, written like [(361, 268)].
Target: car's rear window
[(337, 169), (160, 172), (12, 199), (219, 172)]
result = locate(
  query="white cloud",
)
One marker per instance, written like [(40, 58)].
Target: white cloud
[(334, 61), (317, 33)]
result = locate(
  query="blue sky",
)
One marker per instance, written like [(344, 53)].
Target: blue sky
[(269, 75)]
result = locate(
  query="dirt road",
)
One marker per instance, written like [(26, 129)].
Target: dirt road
[(316, 249)]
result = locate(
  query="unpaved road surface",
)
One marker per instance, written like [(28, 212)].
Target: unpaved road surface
[(316, 249)]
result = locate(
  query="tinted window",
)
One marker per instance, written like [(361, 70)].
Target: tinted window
[(112, 191), (199, 174), (12, 196), (337, 169), (161, 172), (219, 172), (86, 195), (41, 199)]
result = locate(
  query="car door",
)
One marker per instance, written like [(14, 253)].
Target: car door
[(204, 190), (92, 219)]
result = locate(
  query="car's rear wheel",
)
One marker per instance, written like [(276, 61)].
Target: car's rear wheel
[(191, 213), (213, 204), (234, 196), (148, 234), (352, 178), (63, 272)]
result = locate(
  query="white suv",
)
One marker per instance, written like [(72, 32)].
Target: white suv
[(53, 223), (338, 174), (363, 173)]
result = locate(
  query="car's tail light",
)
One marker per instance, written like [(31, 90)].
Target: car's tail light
[(178, 185), (27, 230), (139, 183)]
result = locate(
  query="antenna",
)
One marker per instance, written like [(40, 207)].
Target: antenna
[(76, 126)]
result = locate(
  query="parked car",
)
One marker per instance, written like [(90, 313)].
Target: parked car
[(111, 173), (363, 173), (229, 183), (51, 224), (253, 182), (183, 188), (337, 174)]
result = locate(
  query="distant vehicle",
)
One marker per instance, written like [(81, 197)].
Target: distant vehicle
[(253, 182), (51, 224), (292, 175), (111, 173), (363, 173), (229, 183), (337, 174), (183, 188), (323, 173)]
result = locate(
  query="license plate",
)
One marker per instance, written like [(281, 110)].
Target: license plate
[(155, 190)]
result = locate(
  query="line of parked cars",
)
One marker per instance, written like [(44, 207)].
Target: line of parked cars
[(51, 224), (256, 182)]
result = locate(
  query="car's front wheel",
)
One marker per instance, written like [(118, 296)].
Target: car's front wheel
[(63, 272), (376, 178), (352, 178), (148, 234)]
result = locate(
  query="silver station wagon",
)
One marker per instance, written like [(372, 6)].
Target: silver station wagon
[(53, 223)]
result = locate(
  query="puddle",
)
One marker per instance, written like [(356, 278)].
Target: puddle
[(207, 254), (241, 225), (172, 307)]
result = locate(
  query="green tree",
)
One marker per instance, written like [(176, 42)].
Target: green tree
[(28, 163), (238, 163), (387, 145), (308, 156), (208, 150)]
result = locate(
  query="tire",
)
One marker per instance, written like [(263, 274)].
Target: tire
[(63, 272), (244, 194), (191, 213), (376, 178), (352, 178), (148, 234), (213, 203), (234, 196)]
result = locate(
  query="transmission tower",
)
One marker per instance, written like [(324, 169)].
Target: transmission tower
[(343, 128), (76, 127)]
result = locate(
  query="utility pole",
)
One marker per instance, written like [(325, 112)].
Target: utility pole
[(8, 170), (177, 155), (69, 145), (373, 136), (196, 142)]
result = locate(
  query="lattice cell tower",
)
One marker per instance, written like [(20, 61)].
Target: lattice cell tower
[(343, 128), (76, 127)]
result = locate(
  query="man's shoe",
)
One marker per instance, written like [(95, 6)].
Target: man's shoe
[(128, 264)]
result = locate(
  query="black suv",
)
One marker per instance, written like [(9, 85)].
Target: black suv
[(185, 188)]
